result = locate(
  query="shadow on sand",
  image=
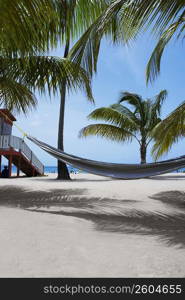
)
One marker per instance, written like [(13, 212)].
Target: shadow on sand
[(175, 199), (42, 179), (108, 215), (167, 177)]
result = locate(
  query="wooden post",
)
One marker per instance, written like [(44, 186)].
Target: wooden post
[(10, 165), (18, 167), (0, 163)]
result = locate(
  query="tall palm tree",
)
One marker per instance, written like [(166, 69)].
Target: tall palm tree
[(169, 131), (58, 20), (123, 20), (74, 23), (125, 124)]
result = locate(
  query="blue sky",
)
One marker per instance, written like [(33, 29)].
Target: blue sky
[(119, 69)]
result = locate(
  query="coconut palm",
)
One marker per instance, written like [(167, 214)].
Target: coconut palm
[(169, 131), (123, 20), (58, 20), (76, 17), (124, 124)]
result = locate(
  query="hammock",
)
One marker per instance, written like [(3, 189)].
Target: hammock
[(120, 171)]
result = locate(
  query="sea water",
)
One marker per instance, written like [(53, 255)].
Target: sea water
[(53, 170), (50, 169)]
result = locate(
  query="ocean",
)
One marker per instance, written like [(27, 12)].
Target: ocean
[(53, 170), (50, 169)]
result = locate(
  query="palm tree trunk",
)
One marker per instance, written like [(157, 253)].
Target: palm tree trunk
[(63, 172), (143, 149)]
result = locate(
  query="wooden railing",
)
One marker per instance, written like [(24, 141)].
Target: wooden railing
[(10, 141)]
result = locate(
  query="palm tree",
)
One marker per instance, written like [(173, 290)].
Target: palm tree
[(125, 124), (74, 24), (57, 20), (124, 20), (169, 131)]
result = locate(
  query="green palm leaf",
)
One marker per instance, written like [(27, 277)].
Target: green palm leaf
[(158, 101), (15, 96), (111, 115), (85, 52), (134, 100), (39, 72), (110, 132), (124, 20), (129, 118), (28, 26), (154, 63), (169, 131), (77, 15)]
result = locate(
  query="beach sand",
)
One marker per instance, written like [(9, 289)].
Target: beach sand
[(92, 227)]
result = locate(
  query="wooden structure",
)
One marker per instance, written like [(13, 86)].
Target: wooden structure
[(16, 150)]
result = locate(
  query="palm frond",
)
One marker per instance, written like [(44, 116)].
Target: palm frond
[(129, 117), (85, 52), (136, 101), (40, 72), (154, 63), (114, 117), (28, 26), (169, 131), (154, 110), (106, 114), (15, 96), (159, 100), (124, 20), (157, 14), (110, 132), (77, 15)]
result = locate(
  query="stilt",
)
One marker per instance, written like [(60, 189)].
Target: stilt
[(0, 163), (10, 165), (18, 167)]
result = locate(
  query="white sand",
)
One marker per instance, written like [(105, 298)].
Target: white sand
[(38, 244)]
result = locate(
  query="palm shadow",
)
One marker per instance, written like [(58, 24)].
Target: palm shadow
[(74, 179), (19, 197), (175, 199), (108, 215), (167, 177)]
